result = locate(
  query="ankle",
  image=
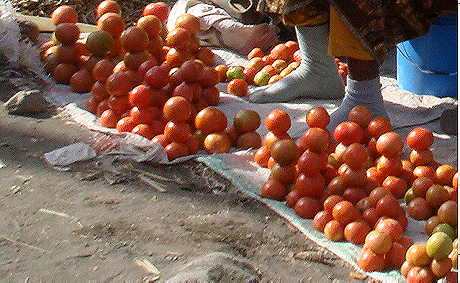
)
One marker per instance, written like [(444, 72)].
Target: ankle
[(369, 90)]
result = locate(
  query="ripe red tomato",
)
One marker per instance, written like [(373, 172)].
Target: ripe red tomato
[(147, 65), (292, 198), (370, 261), (141, 96), (371, 216), (353, 177), (389, 166), (238, 87), (158, 9), (274, 189), (364, 204), (256, 52), (390, 144), (157, 76), (311, 163), (396, 256), (145, 115), (361, 115), (175, 150), (419, 209), (177, 132), (278, 122), (125, 124), (316, 140), (145, 130), (420, 139), (356, 232), (317, 117), (378, 126), (321, 219), (392, 227), (388, 206), (345, 212), (348, 133), (354, 195), (307, 207), (310, 186), (355, 156), (397, 186), (420, 275), (336, 186)]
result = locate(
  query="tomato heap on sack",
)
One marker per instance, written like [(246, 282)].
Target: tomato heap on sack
[(147, 81), (262, 69), (352, 190)]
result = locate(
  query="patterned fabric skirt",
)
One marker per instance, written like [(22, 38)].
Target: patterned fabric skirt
[(379, 24)]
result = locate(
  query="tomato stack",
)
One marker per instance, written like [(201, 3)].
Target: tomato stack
[(266, 69), (61, 55), (352, 189), (243, 132), (277, 123), (431, 260), (262, 69), (145, 80)]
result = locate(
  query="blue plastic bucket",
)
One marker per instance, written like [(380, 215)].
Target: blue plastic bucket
[(428, 64)]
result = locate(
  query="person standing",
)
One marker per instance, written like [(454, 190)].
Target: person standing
[(362, 31)]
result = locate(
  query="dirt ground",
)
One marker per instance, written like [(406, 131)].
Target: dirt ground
[(91, 224)]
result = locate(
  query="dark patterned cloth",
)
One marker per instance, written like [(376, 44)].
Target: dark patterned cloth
[(379, 24)]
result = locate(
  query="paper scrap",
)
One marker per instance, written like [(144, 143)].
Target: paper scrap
[(70, 154)]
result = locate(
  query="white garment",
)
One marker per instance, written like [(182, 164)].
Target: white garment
[(219, 29)]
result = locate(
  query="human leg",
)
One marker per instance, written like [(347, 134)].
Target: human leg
[(316, 76), (363, 81)]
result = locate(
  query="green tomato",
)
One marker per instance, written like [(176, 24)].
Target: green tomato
[(439, 246), (409, 196), (261, 78), (235, 72)]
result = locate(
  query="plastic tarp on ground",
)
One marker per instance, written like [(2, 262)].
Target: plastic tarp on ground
[(406, 111)]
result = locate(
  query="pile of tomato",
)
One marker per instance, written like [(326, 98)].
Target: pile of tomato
[(144, 79), (353, 184)]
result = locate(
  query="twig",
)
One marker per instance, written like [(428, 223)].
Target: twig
[(152, 184), (315, 257), (147, 266), (153, 176), (23, 244), (56, 213), (358, 275)]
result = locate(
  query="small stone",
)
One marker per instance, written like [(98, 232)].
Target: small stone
[(26, 102), (217, 267)]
